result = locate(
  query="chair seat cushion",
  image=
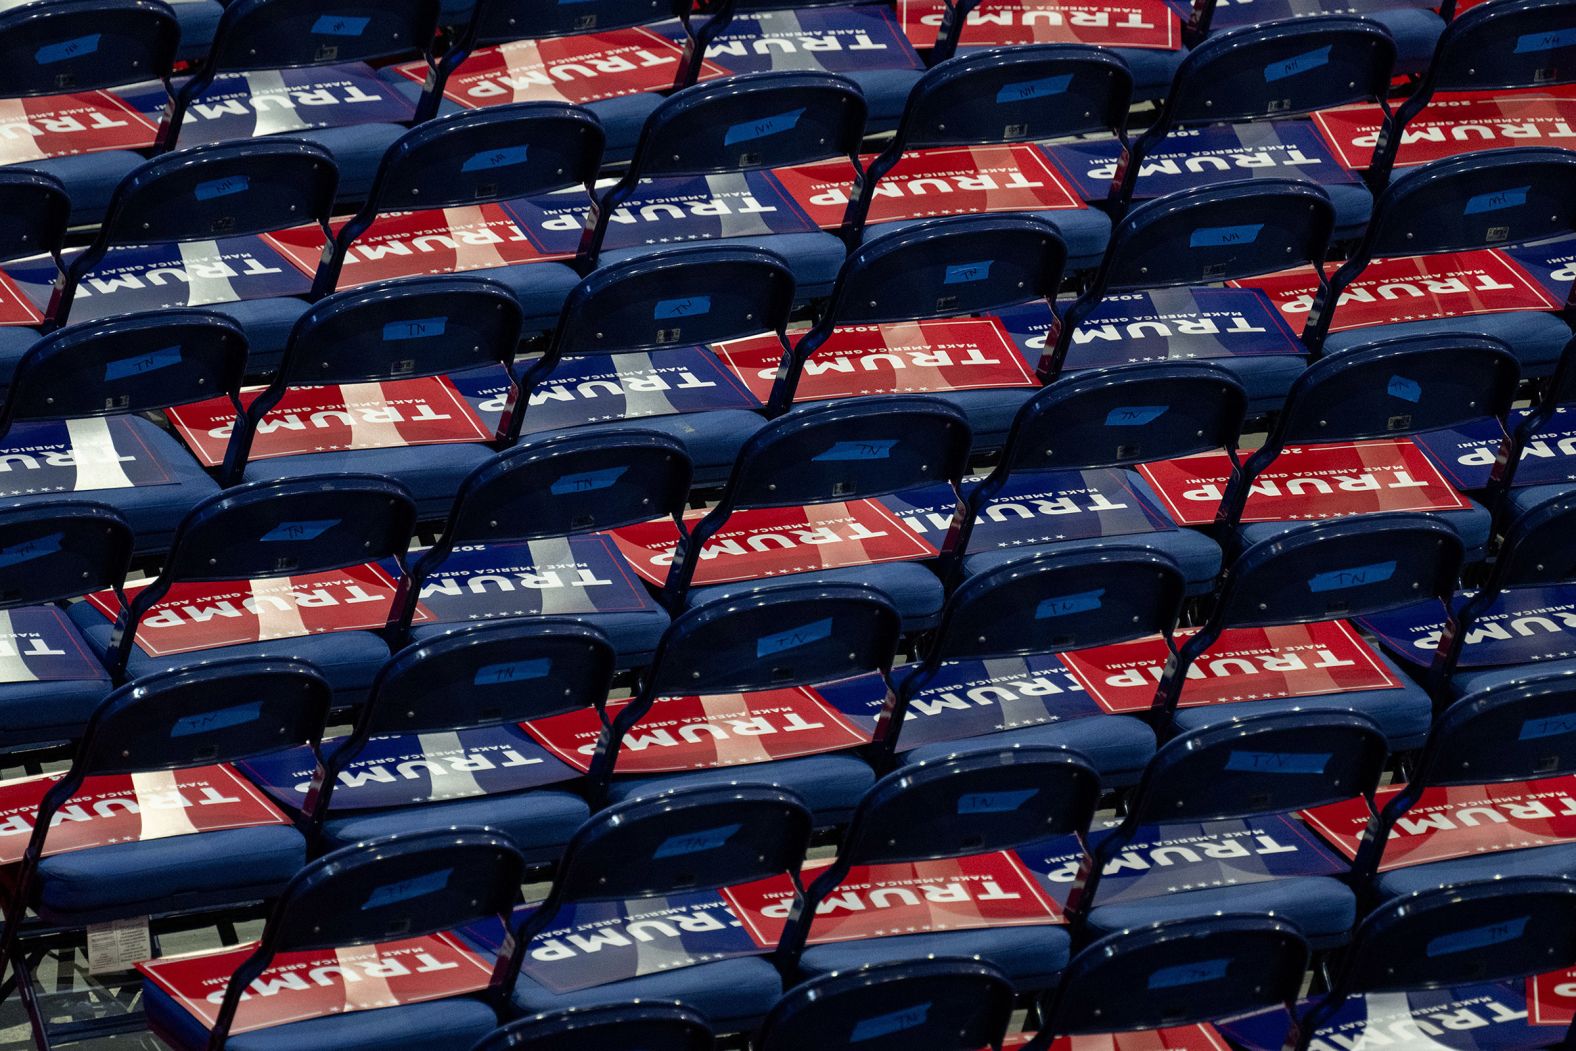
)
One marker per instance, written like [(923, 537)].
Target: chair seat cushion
[(1527, 497), (634, 635), (733, 995), (15, 340), (1471, 680), (813, 256), (539, 822), (198, 19), (711, 438), (200, 870), (913, 588), (886, 92), (1472, 526), (1353, 203), (90, 179), (540, 287), (1536, 337), (267, 324), (1153, 69), (990, 412), (51, 710), (1323, 907), (358, 150), (1559, 860), (1031, 957), (432, 473), (1416, 31), (1118, 746), (830, 784), (456, 1023)]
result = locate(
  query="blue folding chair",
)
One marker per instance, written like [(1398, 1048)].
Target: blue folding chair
[(1010, 621), (957, 806), (385, 889), (385, 333), (543, 503), (966, 265), (1324, 571), (690, 839), (72, 46), (493, 22), (263, 530), (1500, 45), (633, 333), (769, 639), (648, 1026), (1414, 27), (1009, 95), (1265, 764), (1181, 972), (223, 712), (722, 133), (1169, 246), (1460, 204), (210, 194), (940, 1004), (1153, 69), (34, 211), (279, 36), (1080, 435), (50, 552), (75, 400), (475, 158), (1515, 731), (1392, 388), (1463, 935), (427, 697), (1276, 70), (859, 449)]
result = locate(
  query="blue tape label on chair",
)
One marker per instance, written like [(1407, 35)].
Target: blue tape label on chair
[(1069, 604), (887, 1024), (1497, 201), (1297, 65), (964, 273), (1551, 726), (207, 722), (587, 481), (689, 306), (783, 641), (1405, 389), (994, 802), (1033, 89), (1217, 236), (207, 191), (1353, 577), (76, 47), (1279, 762), (405, 890), (870, 450), (1549, 40), (339, 25), (487, 160), (19, 553), (763, 128), (1135, 415), (415, 328), (300, 530), (1189, 973), (695, 842), (149, 362), (512, 671), (1477, 938)]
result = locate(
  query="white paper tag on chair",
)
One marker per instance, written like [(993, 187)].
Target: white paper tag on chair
[(117, 945)]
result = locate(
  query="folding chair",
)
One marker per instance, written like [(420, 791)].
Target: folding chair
[(723, 134), (86, 48), (953, 807), (35, 209), (1189, 971), (849, 453), (959, 267), (1014, 618), (196, 201), (1266, 764), (1081, 435), (300, 530), (369, 344), (72, 422), (1457, 205), (941, 1004), (1394, 388), (50, 552), (1001, 96), (1276, 70), (469, 161), (263, 40), (543, 504), (687, 840), (635, 334), (650, 1026), (388, 889), (1318, 575), (464, 691), (808, 635), (1169, 250), (1451, 937), (186, 866)]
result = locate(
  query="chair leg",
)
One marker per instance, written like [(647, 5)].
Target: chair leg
[(24, 980)]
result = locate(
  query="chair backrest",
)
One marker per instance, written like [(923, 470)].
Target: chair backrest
[(474, 157), (1177, 973), (128, 364), (648, 1025), (739, 123), (1272, 70), (34, 212), (223, 189), (1202, 236), (940, 1004), (84, 45), (59, 549), (1457, 204), (959, 265)]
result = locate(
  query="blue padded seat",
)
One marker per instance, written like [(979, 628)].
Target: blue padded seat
[(15, 341), (814, 257), (1536, 337), (886, 93), (1322, 907), (733, 994), (33, 712), (1118, 746), (1527, 497), (1416, 31), (198, 19), (1152, 69), (267, 323), (1471, 680), (634, 635), (1353, 204), (829, 784), (539, 822), (913, 588), (1473, 526), (168, 875), (1085, 231), (358, 149), (90, 178), (1558, 860), (990, 412), (432, 473), (1031, 957), (540, 288), (457, 1022)]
